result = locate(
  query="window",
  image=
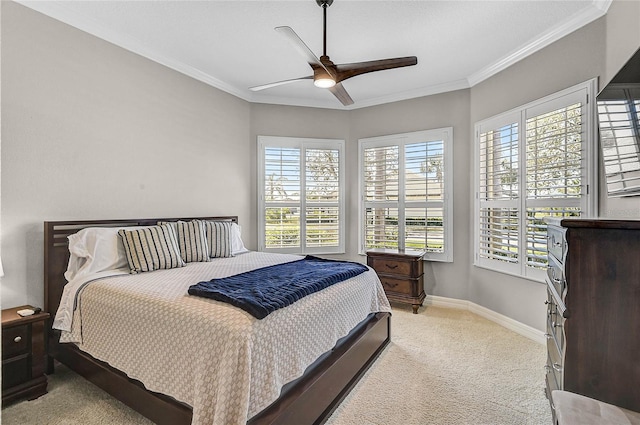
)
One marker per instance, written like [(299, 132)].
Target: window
[(406, 200), (301, 195), (533, 162)]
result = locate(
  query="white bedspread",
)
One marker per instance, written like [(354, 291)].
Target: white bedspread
[(214, 357)]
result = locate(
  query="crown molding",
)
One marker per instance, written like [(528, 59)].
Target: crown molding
[(598, 10), (58, 11), (331, 103), (414, 93)]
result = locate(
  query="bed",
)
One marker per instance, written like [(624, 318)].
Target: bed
[(309, 398)]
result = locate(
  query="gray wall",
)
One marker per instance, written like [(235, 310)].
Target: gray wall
[(599, 49), (442, 110), (90, 130)]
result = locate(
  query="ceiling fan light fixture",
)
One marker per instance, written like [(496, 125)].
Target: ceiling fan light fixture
[(324, 82)]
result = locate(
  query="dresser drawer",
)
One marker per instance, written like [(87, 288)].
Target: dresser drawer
[(555, 273), (395, 266), (555, 330), (556, 242), (552, 383), (15, 341), (554, 374), (555, 320), (401, 286), (15, 371)]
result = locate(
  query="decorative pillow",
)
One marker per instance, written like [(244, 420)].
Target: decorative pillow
[(192, 240), (219, 238), (237, 246), (151, 248)]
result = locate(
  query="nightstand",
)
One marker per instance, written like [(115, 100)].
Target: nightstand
[(401, 274), (23, 355)]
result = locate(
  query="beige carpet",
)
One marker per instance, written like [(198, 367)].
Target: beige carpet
[(444, 366)]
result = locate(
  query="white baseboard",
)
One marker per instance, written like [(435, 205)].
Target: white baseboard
[(502, 320)]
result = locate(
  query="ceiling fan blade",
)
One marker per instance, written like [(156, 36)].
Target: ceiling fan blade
[(339, 91), (279, 83), (299, 45), (349, 70)]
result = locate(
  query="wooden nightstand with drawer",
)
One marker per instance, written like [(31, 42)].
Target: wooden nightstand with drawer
[(401, 274), (23, 355)]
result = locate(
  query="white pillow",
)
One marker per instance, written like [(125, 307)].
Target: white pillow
[(95, 249), (237, 247)]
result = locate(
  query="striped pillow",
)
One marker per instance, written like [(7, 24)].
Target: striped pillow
[(151, 248), (219, 238), (192, 240)]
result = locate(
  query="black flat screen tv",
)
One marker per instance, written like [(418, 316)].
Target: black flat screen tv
[(619, 129)]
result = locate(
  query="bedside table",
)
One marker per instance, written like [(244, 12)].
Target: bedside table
[(23, 355), (401, 274)]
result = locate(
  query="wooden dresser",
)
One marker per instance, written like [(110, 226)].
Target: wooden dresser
[(593, 310), (23, 355), (401, 274)]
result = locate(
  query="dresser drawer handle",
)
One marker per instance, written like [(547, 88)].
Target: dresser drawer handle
[(391, 285), (391, 266), (17, 339)]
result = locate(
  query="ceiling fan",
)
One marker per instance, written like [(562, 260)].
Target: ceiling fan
[(328, 75)]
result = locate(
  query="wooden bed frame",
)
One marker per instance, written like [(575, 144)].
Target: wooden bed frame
[(308, 400)]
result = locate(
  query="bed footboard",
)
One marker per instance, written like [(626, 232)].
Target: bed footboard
[(309, 400)]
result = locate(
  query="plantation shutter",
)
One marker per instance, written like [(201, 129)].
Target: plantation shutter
[(282, 181), (554, 174), (499, 193), (405, 201), (322, 198), (532, 163), (381, 187), (301, 195), (424, 196)]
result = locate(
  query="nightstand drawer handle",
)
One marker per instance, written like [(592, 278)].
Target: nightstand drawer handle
[(391, 266), (17, 339), (391, 285)]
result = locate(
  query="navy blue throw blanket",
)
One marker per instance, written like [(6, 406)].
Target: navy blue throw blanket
[(263, 291)]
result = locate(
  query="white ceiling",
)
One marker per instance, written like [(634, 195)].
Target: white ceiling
[(232, 44)]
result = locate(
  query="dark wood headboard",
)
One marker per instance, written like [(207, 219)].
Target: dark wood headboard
[(56, 249)]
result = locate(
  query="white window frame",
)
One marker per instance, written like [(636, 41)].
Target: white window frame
[(303, 144), (440, 134), (584, 93)]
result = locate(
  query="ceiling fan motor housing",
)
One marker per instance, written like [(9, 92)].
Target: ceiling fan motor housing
[(322, 3)]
